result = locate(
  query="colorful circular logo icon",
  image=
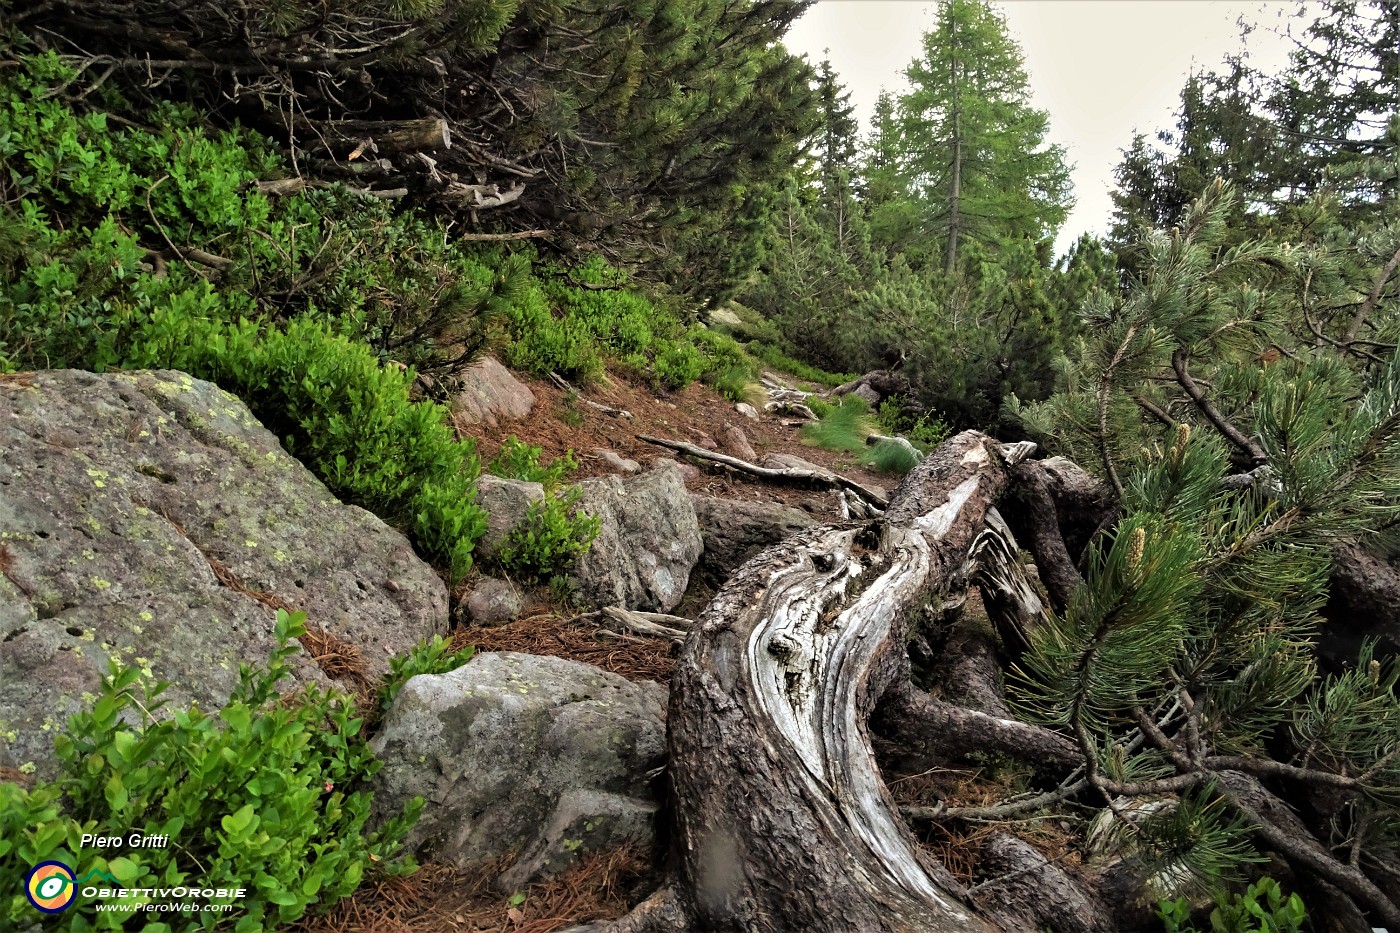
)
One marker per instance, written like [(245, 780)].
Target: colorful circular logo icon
[(51, 887)]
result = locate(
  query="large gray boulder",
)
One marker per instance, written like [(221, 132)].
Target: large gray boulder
[(647, 544), (148, 516), (735, 531), (490, 394), (541, 758)]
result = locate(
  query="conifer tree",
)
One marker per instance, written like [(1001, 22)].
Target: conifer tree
[(1327, 122), (837, 148), (645, 129), (1237, 455), (973, 149)]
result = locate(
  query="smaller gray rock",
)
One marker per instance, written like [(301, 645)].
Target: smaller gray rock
[(506, 502), (736, 443), (688, 471), (725, 317), (647, 544), (735, 531), (494, 602), (747, 410), (617, 462), (867, 393), (491, 394), (517, 753)]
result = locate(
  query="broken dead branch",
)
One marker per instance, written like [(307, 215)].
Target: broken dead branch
[(559, 381), (650, 624), (795, 475)]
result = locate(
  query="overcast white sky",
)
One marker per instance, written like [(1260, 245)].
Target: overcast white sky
[(1101, 68)]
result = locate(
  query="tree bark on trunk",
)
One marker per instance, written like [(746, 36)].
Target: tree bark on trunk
[(782, 821), (955, 194)]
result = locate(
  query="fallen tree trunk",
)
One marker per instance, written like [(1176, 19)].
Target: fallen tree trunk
[(781, 819), (787, 474)]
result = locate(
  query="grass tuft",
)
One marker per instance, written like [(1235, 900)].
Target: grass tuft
[(842, 427), (886, 457)]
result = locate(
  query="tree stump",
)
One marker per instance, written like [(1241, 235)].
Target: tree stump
[(782, 821)]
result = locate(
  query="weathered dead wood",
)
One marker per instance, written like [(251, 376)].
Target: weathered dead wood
[(559, 381), (966, 668), (942, 730), (281, 187), (480, 197), (1011, 600), (882, 382), (1033, 893), (1083, 503), (492, 237), (1365, 602), (781, 819), (785, 399), (1032, 515), (651, 624), (854, 508), (353, 139), (794, 475)]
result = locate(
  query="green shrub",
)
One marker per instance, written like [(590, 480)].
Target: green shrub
[(727, 367), (925, 432), (843, 426), (751, 326), (542, 343), (553, 533), (620, 320), (720, 350), (430, 657), (736, 384), (260, 796), (678, 364), (517, 460), (928, 431), (1262, 908), (572, 319)]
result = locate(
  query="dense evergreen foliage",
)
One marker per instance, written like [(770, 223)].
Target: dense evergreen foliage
[(931, 241), (1239, 394)]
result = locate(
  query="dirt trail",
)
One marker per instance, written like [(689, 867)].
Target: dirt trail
[(695, 414)]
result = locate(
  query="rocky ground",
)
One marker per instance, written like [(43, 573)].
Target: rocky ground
[(148, 515)]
